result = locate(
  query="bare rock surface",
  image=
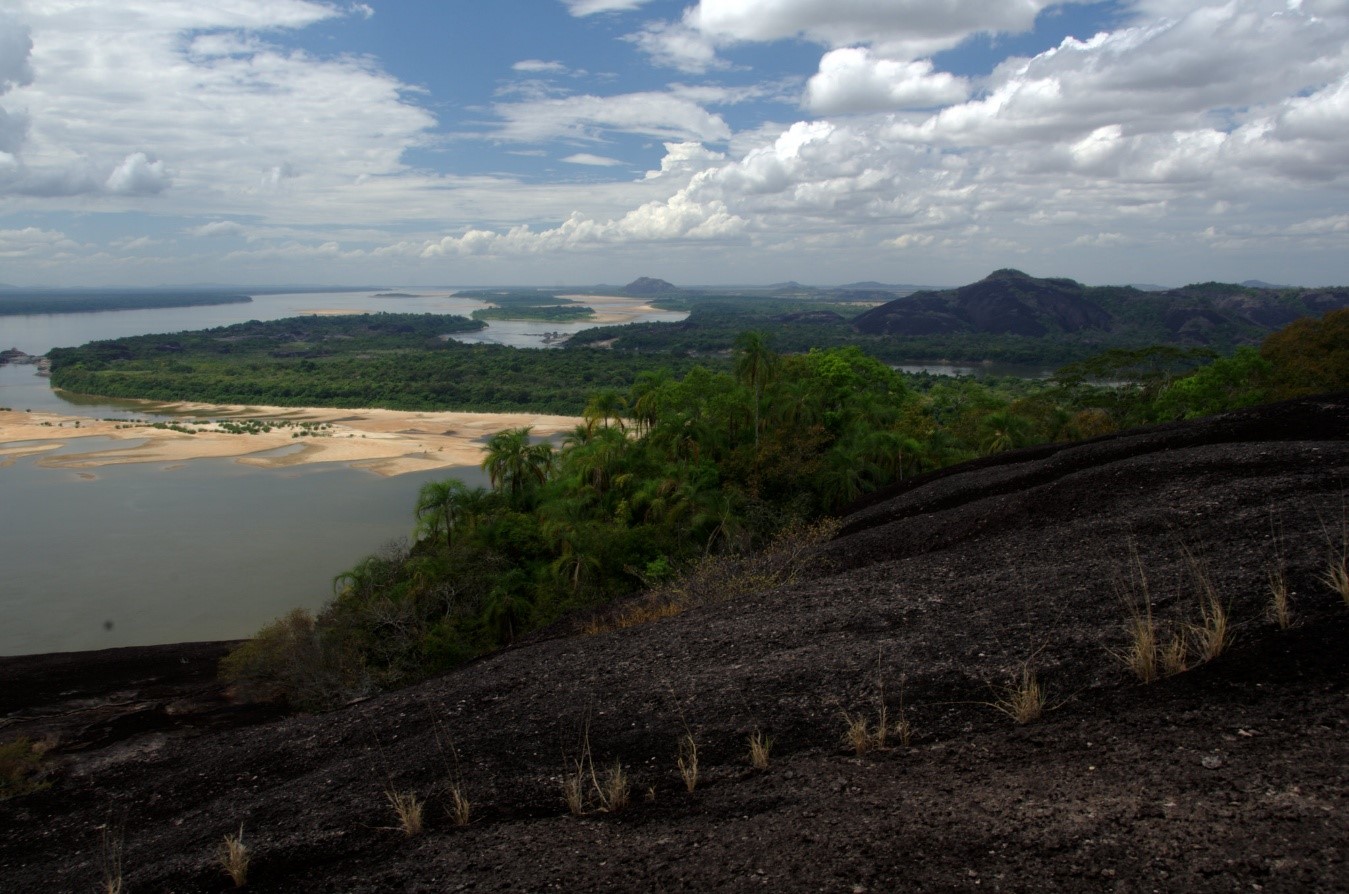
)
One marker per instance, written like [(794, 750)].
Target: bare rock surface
[(936, 599)]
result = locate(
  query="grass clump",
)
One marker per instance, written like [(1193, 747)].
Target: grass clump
[(615, 790), (1336, 575), (461, 809), (110, 847), (760, 748), (581, 782), (688, 761), (408, 807), (233, 857), (1280, 603), (1023, 701)]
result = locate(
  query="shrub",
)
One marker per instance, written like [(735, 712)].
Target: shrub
[(20, 766), (289, 660)]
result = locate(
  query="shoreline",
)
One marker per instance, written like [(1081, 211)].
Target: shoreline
[(385, 442)]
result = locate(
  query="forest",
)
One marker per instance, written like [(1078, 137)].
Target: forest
[(395, 361), (687, 486)]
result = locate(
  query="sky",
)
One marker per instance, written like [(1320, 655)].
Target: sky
[(551, 142)]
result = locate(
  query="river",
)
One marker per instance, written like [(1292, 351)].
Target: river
[(209, 549)]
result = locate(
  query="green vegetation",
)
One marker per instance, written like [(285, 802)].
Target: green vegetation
[(562, 313), (85, 300), (526, 304), (675, 486), (397, 361)]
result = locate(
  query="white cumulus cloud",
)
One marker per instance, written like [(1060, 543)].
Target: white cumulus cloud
[(854, 80)]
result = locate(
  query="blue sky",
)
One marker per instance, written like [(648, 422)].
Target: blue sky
[(718, 141)]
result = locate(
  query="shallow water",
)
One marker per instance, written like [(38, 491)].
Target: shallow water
[(208, 549)]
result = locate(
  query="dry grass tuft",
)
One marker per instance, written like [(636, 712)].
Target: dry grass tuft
[(615, 790), (1176, 656), (573, 790), (857, 733), (645, 611), (612, 793), (760, 747), (461, 809), (1140, 658), (1280, 607), (234, 857), (1141, 655), (110, 848), (688, 761), (1336, 575), (409, 809), (1211, 635), (1024, 701)]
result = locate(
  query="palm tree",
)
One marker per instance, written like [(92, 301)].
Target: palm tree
[(515, 466), (755, 365), (605, 405), (648, 398), (446, 507), (1004, 430)]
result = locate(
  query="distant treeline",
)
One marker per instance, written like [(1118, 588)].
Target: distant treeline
[(84, 301)]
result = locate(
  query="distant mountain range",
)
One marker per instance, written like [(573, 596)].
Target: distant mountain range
[(1009, 302)]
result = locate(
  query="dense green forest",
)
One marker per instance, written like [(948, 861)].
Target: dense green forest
[(693, 487), (397, 361)]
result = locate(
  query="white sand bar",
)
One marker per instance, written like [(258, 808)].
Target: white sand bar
[(387, 442)]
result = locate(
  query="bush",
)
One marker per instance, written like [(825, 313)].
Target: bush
[(20, 766), (289, 660)]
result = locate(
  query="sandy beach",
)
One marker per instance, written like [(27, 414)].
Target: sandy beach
[(386, 442)]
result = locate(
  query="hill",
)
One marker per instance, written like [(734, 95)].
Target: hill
[(935, 601), (1009, 302)]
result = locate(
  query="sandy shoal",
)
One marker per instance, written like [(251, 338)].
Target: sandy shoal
[(614, 309), (386, 442)]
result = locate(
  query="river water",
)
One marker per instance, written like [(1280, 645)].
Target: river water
[(151, 553)]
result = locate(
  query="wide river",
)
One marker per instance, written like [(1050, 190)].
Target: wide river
[(208, 549)]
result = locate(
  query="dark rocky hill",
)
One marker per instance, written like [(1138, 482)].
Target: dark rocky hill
[(645, 285), (1009, 302), (936, 600)]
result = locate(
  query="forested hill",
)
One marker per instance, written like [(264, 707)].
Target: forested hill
[(1009, 302)]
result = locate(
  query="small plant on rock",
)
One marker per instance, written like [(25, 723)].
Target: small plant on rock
[(760, 747), (615, 790), (1280, 607), (461, 808), (688, 761), (110, 847), (1023, 701), (1176, 656), (234, 856), (408, 807)]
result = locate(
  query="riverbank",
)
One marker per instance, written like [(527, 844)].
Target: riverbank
[(386, 442)]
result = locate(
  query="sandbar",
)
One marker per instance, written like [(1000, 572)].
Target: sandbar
[(615, 309), (385, 442)]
